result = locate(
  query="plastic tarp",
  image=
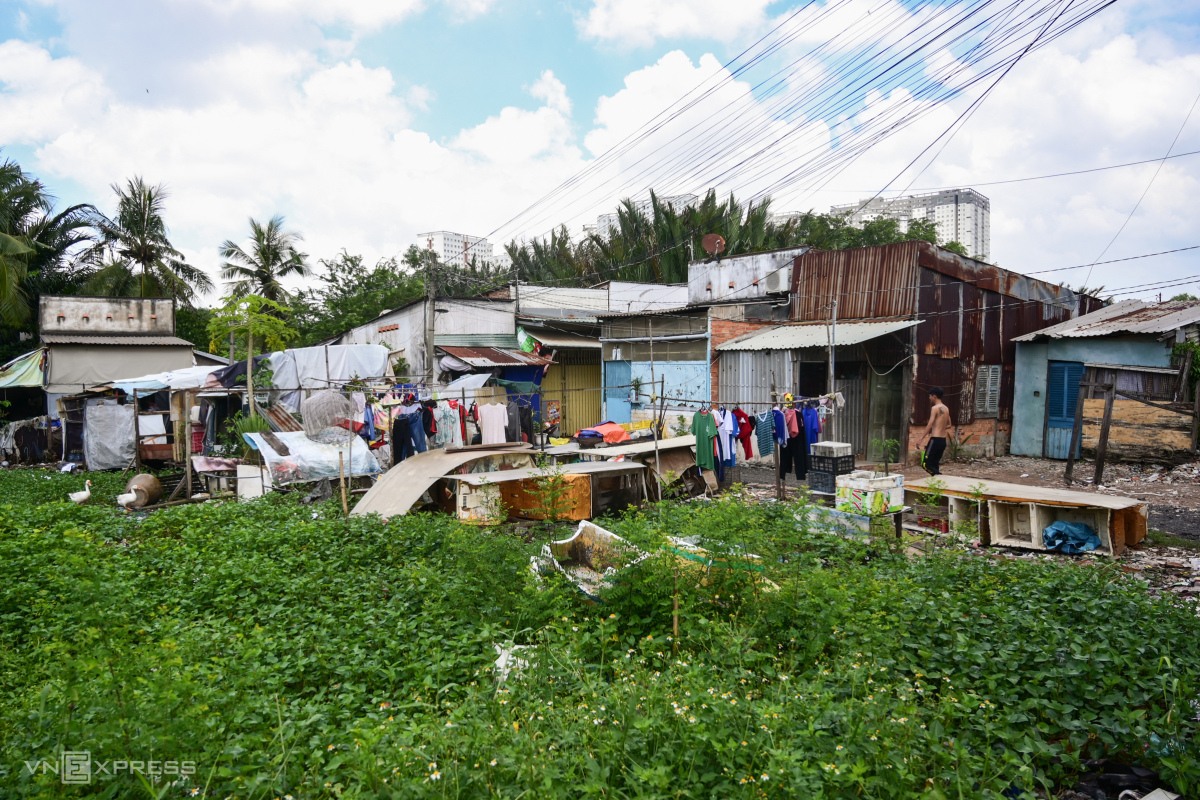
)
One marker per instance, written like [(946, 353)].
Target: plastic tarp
[(465, 388), (107, 436), (23, 372), (176, 379), (1070, 537), (311, 461), (324, 367)]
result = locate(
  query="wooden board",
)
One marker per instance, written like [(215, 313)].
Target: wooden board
[(1137, 432)]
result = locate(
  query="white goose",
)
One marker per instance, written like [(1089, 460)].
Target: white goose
[(125, 500), (79, 498)]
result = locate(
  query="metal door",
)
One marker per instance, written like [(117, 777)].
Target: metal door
[(1062, 395), (886, 401), (617, 375)]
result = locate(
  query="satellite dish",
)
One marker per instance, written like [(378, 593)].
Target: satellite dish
[(713, 244)]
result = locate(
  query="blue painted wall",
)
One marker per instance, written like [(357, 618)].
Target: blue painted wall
[(687, 384), (1029, 396)]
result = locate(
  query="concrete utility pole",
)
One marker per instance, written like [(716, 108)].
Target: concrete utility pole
[(430, 319), (832, 387)]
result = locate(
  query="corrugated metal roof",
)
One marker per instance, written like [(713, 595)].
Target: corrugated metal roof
[(116, 341), (793, 337), (495, 357), (1127, 316), (562, 339)]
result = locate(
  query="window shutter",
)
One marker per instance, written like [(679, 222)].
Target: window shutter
[(987, 390)]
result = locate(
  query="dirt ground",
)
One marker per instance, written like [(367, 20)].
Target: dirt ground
[(1172, 493)]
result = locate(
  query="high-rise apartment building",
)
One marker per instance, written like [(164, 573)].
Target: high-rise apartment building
[(961, 215), (607, 223), (458, 249)]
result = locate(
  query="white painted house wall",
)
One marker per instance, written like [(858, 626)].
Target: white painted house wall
[(741, 278)]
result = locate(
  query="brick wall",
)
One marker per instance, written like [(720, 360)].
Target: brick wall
[(722, 331), (983, 438)]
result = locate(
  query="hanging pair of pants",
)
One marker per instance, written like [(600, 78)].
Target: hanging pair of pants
[(793, 456), (402, 441)]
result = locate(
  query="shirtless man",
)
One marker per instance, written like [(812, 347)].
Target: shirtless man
[(935, 432)]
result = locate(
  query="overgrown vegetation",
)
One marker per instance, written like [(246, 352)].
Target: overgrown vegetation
[(284, 650)]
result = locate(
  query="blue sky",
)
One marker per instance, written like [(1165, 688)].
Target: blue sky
[(365, 123)]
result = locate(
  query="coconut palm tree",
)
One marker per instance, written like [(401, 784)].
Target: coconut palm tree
[(40, 252), (270, 257), (137, 238)]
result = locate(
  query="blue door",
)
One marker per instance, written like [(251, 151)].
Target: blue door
[(616, 392), (1062, 395)]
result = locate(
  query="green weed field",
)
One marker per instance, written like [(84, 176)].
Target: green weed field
[(271, 649)]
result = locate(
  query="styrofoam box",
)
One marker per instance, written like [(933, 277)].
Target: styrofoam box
[(870, 481), (831, 449), (864, 492)]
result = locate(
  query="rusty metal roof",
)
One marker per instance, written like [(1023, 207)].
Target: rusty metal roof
[(1127, 316), (115, 341), (564, 339), (280, 420), (495, 357), (793, 337)]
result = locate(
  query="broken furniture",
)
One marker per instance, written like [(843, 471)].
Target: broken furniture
[(1015, 515), (589, 488)]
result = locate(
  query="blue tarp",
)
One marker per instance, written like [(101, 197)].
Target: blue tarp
[(1070, 537)]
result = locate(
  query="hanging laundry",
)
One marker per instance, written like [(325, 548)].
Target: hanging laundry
[(704, 428), (745, 430), (493, 418), (764, 429), (812, 423), (728, 448)]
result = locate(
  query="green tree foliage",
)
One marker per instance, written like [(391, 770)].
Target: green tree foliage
[(192, 324), (350, 293), (138, 246), (1184, 296), (454, 281), (260, 268), (41, 252), (252, 319), (657, 245)]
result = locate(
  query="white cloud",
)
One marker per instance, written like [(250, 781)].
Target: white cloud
[(642, 22), (42, 95), (469, 9), (328, 146), (360, 15)]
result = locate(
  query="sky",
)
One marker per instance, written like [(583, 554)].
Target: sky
[(365, 123)]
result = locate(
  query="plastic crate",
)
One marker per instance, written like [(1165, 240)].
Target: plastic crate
[(825, 482), (838, 465), (831, 448)]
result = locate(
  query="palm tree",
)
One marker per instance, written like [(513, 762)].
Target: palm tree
[(40, 252), (137, 237), (271, 256)]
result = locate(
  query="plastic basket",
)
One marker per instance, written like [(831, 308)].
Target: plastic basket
[(837, 465), (825, 482)]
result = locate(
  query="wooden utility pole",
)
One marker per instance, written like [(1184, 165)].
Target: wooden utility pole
[(1102, 445), (780, 493)]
